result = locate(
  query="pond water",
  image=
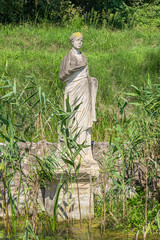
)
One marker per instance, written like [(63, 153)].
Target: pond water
[(74, 233), (108, 235)]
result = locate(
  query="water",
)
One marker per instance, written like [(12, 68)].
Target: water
[(74, 233), (108, 235)]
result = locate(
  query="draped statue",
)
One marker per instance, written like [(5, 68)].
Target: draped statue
[(81, 89)]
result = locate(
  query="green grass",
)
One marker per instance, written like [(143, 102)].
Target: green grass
[(117, 59)]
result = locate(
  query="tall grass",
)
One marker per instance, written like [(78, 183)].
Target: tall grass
[(135, 142), (116, 58)]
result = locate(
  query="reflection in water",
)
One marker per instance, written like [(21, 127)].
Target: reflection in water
[(71, 232), (108, 235)]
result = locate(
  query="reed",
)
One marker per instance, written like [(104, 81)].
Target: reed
[(118, 59)]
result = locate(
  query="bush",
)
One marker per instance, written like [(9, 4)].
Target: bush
[(13, 11), (147, 14), (115, 13)]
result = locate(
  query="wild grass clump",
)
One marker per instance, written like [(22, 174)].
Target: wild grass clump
[(126, 64), (129, 170), (115, 14), (117, 59)]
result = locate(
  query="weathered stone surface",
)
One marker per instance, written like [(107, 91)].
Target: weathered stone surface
[(68, 204), (82, 90), (68, 200), (99, 150)]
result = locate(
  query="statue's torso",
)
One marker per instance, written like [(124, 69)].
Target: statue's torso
[(69, 67), (77, 60)]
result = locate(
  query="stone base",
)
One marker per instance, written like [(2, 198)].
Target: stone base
[(68, 204)]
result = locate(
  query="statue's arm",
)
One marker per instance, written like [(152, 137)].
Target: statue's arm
[(68, 67), (93, 88), (77, 66), (64, 70)]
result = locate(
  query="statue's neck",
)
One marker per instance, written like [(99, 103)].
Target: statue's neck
[(75, 51)]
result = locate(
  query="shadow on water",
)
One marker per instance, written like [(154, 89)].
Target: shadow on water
[(109, 235), (73, 232)]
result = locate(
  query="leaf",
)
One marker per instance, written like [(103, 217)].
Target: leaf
[(77, 134), (136, 89), (30, 234), (149, 81), (2, 165), (6, 86), (148, 228), (76, 108), (14, 87), (116, 175), (136, 104), (40, 95), (33, 105), (115, 149), (77, 152), (68, 107), (5, 137), (29, 97), (68, 161), (117, 184), (129, 180), (44, 98), (4, 120), (60, 185), (78, 167), (132, 94), (7, 95), (118, 147), (19, 139)]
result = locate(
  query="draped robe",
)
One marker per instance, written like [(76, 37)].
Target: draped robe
[(81, 89)]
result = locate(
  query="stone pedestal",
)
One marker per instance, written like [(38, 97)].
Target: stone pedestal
[(68, 204)]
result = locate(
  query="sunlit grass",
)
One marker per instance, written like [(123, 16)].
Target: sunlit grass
[(116, 58)]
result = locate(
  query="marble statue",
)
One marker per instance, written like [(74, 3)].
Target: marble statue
[(81, 89)]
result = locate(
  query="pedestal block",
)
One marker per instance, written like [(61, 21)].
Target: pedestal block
[(68, 203)]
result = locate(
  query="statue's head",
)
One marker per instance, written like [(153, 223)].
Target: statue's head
[(76, 40)]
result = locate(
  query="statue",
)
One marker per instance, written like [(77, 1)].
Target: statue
[(81, 89)]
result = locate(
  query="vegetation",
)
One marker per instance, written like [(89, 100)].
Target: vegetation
[(134, 143), (124, 57), (127, 66), (119, 12)]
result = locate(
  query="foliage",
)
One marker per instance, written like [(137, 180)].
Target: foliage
[(17, 102), (16, 11), (135, 206), (99, 5), (29, 232), (124, 57), (16, 107), (36, 11), (116, 13), (134, 140), (132, 129), (146, 15)]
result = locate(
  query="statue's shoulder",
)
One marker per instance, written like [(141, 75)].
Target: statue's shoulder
[(65, 66), (67, 56), (83, 56), (84, 59)]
